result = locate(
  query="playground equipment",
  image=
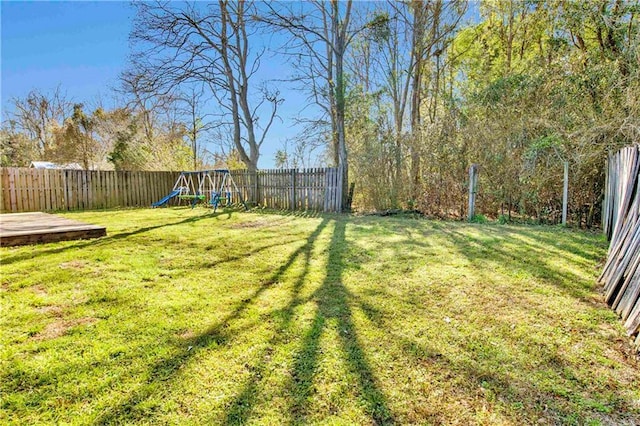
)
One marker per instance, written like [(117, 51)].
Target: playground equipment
[(214, 186), (184, 189)]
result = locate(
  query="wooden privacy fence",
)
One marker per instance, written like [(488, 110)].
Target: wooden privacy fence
[(316, 189), (621, 223), (25, 190), (28, 190)]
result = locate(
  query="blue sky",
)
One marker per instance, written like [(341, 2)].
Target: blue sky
[(82, 47)]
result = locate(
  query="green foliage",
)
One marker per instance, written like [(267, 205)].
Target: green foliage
[(542, 83), (378, 27), (125, 154), (543, 144), (479, 218), (372, 149), (281, 159)]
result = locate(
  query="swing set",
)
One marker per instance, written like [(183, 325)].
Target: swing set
[(215, 187)]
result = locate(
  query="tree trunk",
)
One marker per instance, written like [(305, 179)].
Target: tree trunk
[(339, 50)]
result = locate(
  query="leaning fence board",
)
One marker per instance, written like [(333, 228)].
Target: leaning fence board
[(632, 325), (621, 223)]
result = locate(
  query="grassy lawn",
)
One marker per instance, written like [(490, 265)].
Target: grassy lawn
[(183, 316)]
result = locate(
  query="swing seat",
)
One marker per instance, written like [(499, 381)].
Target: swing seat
[(191, 197)]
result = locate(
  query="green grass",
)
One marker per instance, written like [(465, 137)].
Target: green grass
[(184, 316)]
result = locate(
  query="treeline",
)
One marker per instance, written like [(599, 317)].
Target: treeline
[(403, 95), (529, 86), (145, 133)]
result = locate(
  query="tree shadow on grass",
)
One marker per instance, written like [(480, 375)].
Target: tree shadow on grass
[(332, 303), (482, 369), (166, 369), (242, 406), (579, 241), (555, 241), (517, 257), (286, 212)]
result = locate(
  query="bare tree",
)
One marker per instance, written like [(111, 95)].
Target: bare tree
[(432, 26), (400, 61), (197, 122), (191, 43), (387, 66), (146, 102), (38, 114), (322, 32)]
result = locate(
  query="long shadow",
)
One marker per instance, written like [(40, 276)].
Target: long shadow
[(242, 405), (543, 236), (294, 213), (331, 300), (245, 255), (475, 374), (332, 303), (105, 240), (516, 259), (166, 369), (575, 247)]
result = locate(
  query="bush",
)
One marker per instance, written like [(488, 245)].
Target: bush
[(479, 218), (502, 219)]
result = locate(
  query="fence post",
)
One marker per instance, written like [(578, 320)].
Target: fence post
[(473, 182), (565, 193)]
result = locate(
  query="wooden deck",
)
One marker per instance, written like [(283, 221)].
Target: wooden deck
[(31, 228)]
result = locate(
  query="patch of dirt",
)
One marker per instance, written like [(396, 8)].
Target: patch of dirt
[(617, 420), (187, 334), (74, 264), (39, 290), (261, 223), (607, 330), (51, 310), (60, 327)]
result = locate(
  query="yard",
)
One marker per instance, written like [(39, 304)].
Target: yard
[(184, 316)]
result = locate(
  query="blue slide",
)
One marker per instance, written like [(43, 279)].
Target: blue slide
[(166, 199)]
